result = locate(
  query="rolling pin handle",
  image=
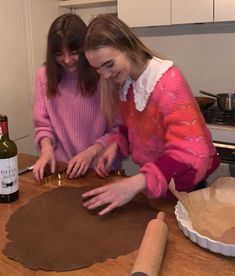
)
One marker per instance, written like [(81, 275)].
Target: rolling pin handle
[(151, 250)]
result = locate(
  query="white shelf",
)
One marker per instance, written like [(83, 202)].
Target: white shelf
[(85, 3)]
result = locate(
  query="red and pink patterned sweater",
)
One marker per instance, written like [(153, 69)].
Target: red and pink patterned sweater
[(165, 134)]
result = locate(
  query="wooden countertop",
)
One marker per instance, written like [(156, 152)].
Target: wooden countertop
[(182, 256)]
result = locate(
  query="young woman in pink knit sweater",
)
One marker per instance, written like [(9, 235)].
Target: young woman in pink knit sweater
[(69, 123), (163, 128)]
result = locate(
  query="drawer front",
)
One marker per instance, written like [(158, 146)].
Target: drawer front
[(226, 152)]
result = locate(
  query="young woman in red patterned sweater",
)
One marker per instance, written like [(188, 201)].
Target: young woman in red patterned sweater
[(163, 129)]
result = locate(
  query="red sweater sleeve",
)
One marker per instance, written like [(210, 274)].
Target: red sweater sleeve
[(120, 137)]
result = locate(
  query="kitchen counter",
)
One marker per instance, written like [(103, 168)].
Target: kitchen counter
[(182, 256)]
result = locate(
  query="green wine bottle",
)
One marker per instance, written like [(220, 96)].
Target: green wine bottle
[(9, 182)]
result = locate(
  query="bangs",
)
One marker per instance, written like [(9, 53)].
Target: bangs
[(59, 41)]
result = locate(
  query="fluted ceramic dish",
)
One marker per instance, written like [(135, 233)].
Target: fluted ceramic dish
[(185, 225)]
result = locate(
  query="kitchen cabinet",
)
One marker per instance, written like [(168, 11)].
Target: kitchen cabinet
[(87, 9), (156, 12), (160, 12), (14, 81), (145, 13), (191, 11), (224, 10), (85, 3)]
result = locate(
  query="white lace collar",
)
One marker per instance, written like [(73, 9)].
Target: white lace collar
[(143, 87)]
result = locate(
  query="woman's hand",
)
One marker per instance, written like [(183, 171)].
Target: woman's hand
[(80, 163), (47, 156), (105, 161), (115, 194)]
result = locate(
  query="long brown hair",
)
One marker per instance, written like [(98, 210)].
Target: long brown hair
[(107, 30), (68, 31)]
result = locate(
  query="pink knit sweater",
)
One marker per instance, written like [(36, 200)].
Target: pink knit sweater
[(169, 137), (73, 122)]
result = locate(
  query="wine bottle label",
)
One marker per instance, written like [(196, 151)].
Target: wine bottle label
[(9, 182)]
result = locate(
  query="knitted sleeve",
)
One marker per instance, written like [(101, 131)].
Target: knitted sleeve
[(42, 124), (120, 137), (106, 138)]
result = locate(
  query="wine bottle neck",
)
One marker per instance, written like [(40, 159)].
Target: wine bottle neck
[(4, 129)]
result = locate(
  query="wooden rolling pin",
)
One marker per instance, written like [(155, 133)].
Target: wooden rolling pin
[(152, 247)]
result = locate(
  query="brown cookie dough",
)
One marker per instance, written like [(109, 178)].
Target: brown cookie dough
[(54, 232)]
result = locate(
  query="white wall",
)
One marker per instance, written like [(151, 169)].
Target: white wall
[(41, 14), (204, 53)]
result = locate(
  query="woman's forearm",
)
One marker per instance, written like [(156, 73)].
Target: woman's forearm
[(96, 149), (138, 182), (46, 144)]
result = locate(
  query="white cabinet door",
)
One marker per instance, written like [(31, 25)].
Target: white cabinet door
[(23, 29), (224, 10), (145, 13), (14, 82), (192, 11), (84, 3)]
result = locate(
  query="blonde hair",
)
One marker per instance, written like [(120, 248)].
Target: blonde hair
[(107, 30)]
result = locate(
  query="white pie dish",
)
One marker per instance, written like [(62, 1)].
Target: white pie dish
[(185, 225)]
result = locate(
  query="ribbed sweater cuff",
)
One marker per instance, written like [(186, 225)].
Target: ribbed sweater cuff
[(159, 175), (42, 134), (170, 167), (122, 143), (103, 141)]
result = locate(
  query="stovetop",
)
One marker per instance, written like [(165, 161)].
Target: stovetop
[(221, 124), (216, 116)]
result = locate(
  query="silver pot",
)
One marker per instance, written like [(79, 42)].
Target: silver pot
[(226, 101)]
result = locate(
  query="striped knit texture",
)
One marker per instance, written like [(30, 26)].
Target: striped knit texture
[(72, 121)]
